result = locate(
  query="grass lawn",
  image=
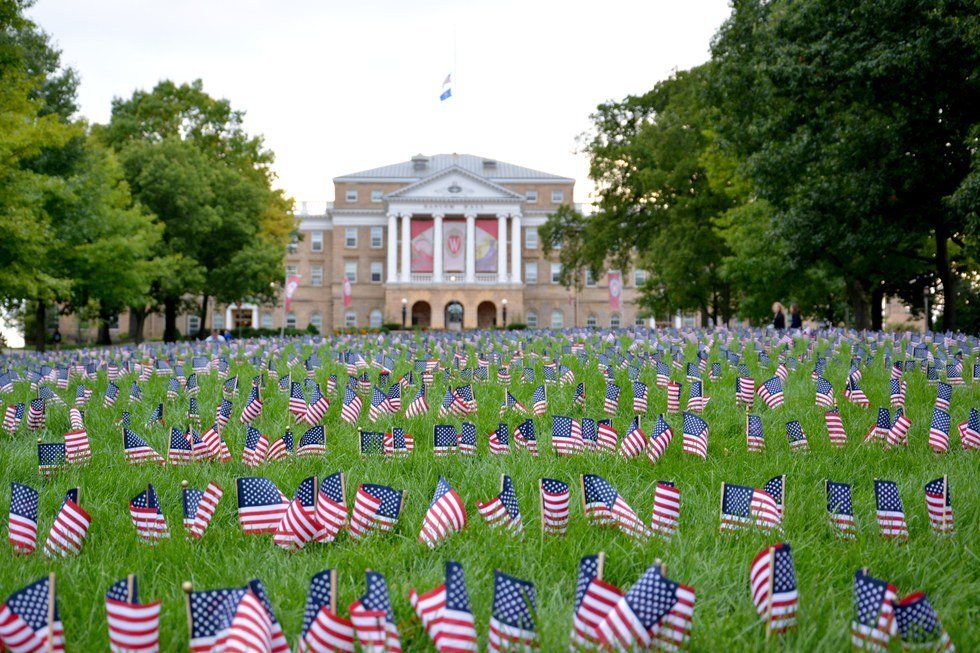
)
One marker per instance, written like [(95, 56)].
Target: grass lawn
[(717, 566)]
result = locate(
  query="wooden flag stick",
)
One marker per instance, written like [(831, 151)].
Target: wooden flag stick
[(945, 494), (130, 584), (721, 507), (581, 479), (333, 590), (600, 564), (50, 639), (188, 587), (541, 502)]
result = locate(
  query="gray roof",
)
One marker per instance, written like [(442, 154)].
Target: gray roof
[(405, 170)]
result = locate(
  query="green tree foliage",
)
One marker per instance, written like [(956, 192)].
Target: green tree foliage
[(189, 160)]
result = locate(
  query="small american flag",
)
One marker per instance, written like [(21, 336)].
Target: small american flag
[(555, 499), (299, 523), (919, 625), (446, 614), (539, 401), (199, 507), (855, 394), (755, 439), (835, 427), (696, 399), (896, 390), (51, 457), (27, 620), (68, 533), (655, 612), (253, 408), (673, 398), (944, 395), (500, 440), (373, 618), (873, 624), (897, 434), (445, 439), (502, 511), (939, 431), (313, 442), (939, 506), (840, 510), (891, 514), (180, 451), (525, 438), (35, 414), (695, 435), (594, 598), (134, 627), (772, 584), (297, 400), (796, 437), (566, 435), (467, 439), (12, 417), (261, 505), (379, 404), (513, 621), (147, 517), (744, 391), (634, 442), (331, 507), (256, 447), (398, 443), (241, 614), (666, 509), (660, 439), (22, 519), (639, 397), (418, 406), (77, 448), (605, 507), (323, 630), (607, 437), (825, 394), (772, 392), (446, 515), (970, 431), (579, 398), (742, 507), (376, 508), (611, 401), (350, 408)]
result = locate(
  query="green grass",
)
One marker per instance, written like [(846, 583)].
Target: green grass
[(715, 565)]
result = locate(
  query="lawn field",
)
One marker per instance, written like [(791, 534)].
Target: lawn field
[(716, 565)]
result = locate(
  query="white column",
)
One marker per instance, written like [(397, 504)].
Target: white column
[(501, 248), (437, 247), (406, 272), (392, 247), (470, 248), (517, 246)]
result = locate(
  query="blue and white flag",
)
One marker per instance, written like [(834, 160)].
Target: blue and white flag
[(447, 88)]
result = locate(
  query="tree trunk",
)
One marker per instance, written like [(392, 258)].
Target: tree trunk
[(945, 272), (137, 320), (877, 296), (104, 338), (726, 304), (202, 332), (857, 297), (715, 311), (40, 325), (170, 319), (704, 316)]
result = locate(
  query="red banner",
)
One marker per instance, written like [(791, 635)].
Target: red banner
[(292, 282), (346, 291), (615, 290)]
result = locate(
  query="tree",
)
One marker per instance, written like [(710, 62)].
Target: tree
[(850, 119), (189, 160)]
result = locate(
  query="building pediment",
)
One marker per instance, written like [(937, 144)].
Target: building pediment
[(454, 185)]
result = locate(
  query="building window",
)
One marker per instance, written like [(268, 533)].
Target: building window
[(113, 322), (350, 271), (557, 196), (557, 319), (376, 196), (377, 269), (531, 196), (316, 241), (639, 321), (532, 319), (589, 279), (350, 237), (614, 320), (316, 321), (530, 271), (555, 272), (291, 270), (639, 277), (267, 320), (218, 321), (193, 324), (375, 319), (351, 195), (377, 237), (591, 321), (350, 319), (316, 275), (531, 238), (290, 320), (293, 245)]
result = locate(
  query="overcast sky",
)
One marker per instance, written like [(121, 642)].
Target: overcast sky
[(337, 87)]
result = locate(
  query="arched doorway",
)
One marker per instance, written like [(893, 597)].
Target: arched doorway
[(454, 316), (486, 315), (421, 315)]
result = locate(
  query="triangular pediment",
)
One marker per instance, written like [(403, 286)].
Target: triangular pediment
[(454, 184)]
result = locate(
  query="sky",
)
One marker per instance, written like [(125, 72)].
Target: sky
[(337, 87)]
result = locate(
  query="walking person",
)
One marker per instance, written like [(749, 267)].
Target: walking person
[(795, 319), (779, 318)]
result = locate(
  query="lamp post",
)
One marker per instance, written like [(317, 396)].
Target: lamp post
[(404, 310), (503, 302)]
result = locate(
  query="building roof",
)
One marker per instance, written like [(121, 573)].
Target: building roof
[(421, 166)]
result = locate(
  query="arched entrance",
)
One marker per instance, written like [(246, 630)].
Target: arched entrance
[(421, 315), (486, 315), (454, 316)]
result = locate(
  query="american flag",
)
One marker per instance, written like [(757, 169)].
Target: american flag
[(755, 439), (223, 413), (234, 619), (696, 399), (35, 414), (673, 397), (173, 387), (191, 385), (555, 499), (835, 427), (419, 405), (135, 393), (825, 393), (281, 448), (323, 630), (841, 510), (147, 517), (179, 450), (524, 437), (745, 391), (873, 624), (854, 394), (51, 457), (199, 507), (350, 408), (605, 507), (796, 436), (463, 401), (772, 392), (896, 390), (299, 522), (76, 418), (372, 443), (467, 439), (446, 515), (379, 404), (373, 618), (579, 399), (445, 439), (919, 625), (12, 417), (261, 505), (138, 451), (634, 442), (970, 431), (663, 374), (398, 443), (695, 435), (500, 440), (77, 449), (539, 400), (589, 436), (253, 408), (660, 439), (313, 442), (891, 514), (30, 621), (331, 507), (514, 616), (655, 612), (256, 447), (230, 388), (446, 614), (394, 398), (639, 397), (193, 413), (22, 519), (155, 416), (898, 432), (82, 395), (566, 435), (376, 508), (214, 446), (742, 507), (594, 598), (939, 505), (666, 509), (67, 534), (939, 431), (502, 511), (611, 401), (297, 401), (944, 394), (134, 627), (772, 584), (607, 437)]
